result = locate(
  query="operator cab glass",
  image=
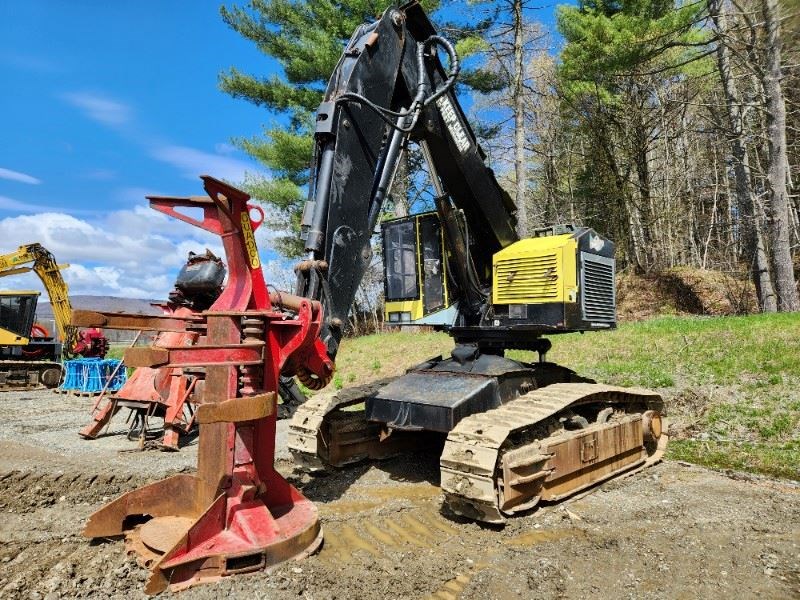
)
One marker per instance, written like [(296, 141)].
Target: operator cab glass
[(414, 268), (400, 247), (17, 312), (430, 234)]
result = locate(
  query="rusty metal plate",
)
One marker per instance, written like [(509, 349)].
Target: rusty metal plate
[(524, 471), (237, 409), (150, 356), (91, 318), (162, 533), (592, 455), (192, 356)]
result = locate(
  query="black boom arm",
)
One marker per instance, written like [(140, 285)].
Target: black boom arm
[(388, 88)]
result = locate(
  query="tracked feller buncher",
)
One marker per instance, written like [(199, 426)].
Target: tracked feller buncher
[(515, 433), (29, 354)]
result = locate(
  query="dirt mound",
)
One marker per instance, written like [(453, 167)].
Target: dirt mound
[(25, 492), (683, 290)]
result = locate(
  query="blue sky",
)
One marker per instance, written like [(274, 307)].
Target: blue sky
[(104, 102)]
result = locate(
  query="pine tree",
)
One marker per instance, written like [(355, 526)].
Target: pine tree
[(620, 54), (306, 37)]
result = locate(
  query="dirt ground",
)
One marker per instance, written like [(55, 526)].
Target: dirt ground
[(673, 531)]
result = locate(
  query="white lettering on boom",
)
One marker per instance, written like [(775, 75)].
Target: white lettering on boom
[(457, 131)]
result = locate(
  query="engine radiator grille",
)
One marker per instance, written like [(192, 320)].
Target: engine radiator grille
[(599, 301), (527, 280)]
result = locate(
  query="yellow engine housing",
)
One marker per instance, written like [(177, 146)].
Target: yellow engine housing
[(561, 280), (536, 271)]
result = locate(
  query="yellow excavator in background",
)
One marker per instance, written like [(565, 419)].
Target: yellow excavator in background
[(29, 354)]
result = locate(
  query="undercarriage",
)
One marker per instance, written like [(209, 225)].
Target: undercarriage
[(29, 374), (513, 433)]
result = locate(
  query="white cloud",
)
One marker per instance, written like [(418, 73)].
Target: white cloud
[(17, 176), (7, 203), (193, 163), (133, 253), (100, 108), (224, 148)]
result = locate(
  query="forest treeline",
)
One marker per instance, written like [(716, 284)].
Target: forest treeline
[(670, 126)]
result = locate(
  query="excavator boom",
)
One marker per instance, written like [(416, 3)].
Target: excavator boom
[(42, 262), (388, 89), (30, 361)]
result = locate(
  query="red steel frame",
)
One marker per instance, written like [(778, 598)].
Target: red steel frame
[(148, 388), (237, 514)]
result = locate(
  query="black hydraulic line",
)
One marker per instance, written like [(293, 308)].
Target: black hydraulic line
[(387, 171), (422, 98), (433, 174), (462, 267)]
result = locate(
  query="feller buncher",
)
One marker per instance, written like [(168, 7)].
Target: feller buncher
[(29, 354), (514, 432)]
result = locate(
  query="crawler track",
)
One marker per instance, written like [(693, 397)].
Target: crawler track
[(508, 459), (322, 433), (20, 375), (545, 445)]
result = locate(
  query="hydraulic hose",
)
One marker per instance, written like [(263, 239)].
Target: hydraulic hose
[(421, 99)]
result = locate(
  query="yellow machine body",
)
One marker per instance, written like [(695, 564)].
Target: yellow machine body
[(558, 281), (536, 271), (9, 337), (36, 258), (561, 280)]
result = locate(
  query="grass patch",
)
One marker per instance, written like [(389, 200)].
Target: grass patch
[(741, 376), (777, 460), (364, 359), (116, 351), (675, 351)]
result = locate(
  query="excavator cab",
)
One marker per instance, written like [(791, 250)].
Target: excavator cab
[(17, 313), (415, 282), (17, 339)]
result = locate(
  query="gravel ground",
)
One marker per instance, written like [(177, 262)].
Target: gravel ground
[(673, 531)]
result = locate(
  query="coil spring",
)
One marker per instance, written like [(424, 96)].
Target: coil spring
[(310, 380)]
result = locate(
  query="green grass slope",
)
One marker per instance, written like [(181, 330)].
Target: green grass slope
[(731, 383)]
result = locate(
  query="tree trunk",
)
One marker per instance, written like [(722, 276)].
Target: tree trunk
[(399, 191), (777, 173), (638, 150), (520, 170), (741, 169)]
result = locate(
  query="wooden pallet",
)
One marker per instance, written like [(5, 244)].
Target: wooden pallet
[(76, 393)]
